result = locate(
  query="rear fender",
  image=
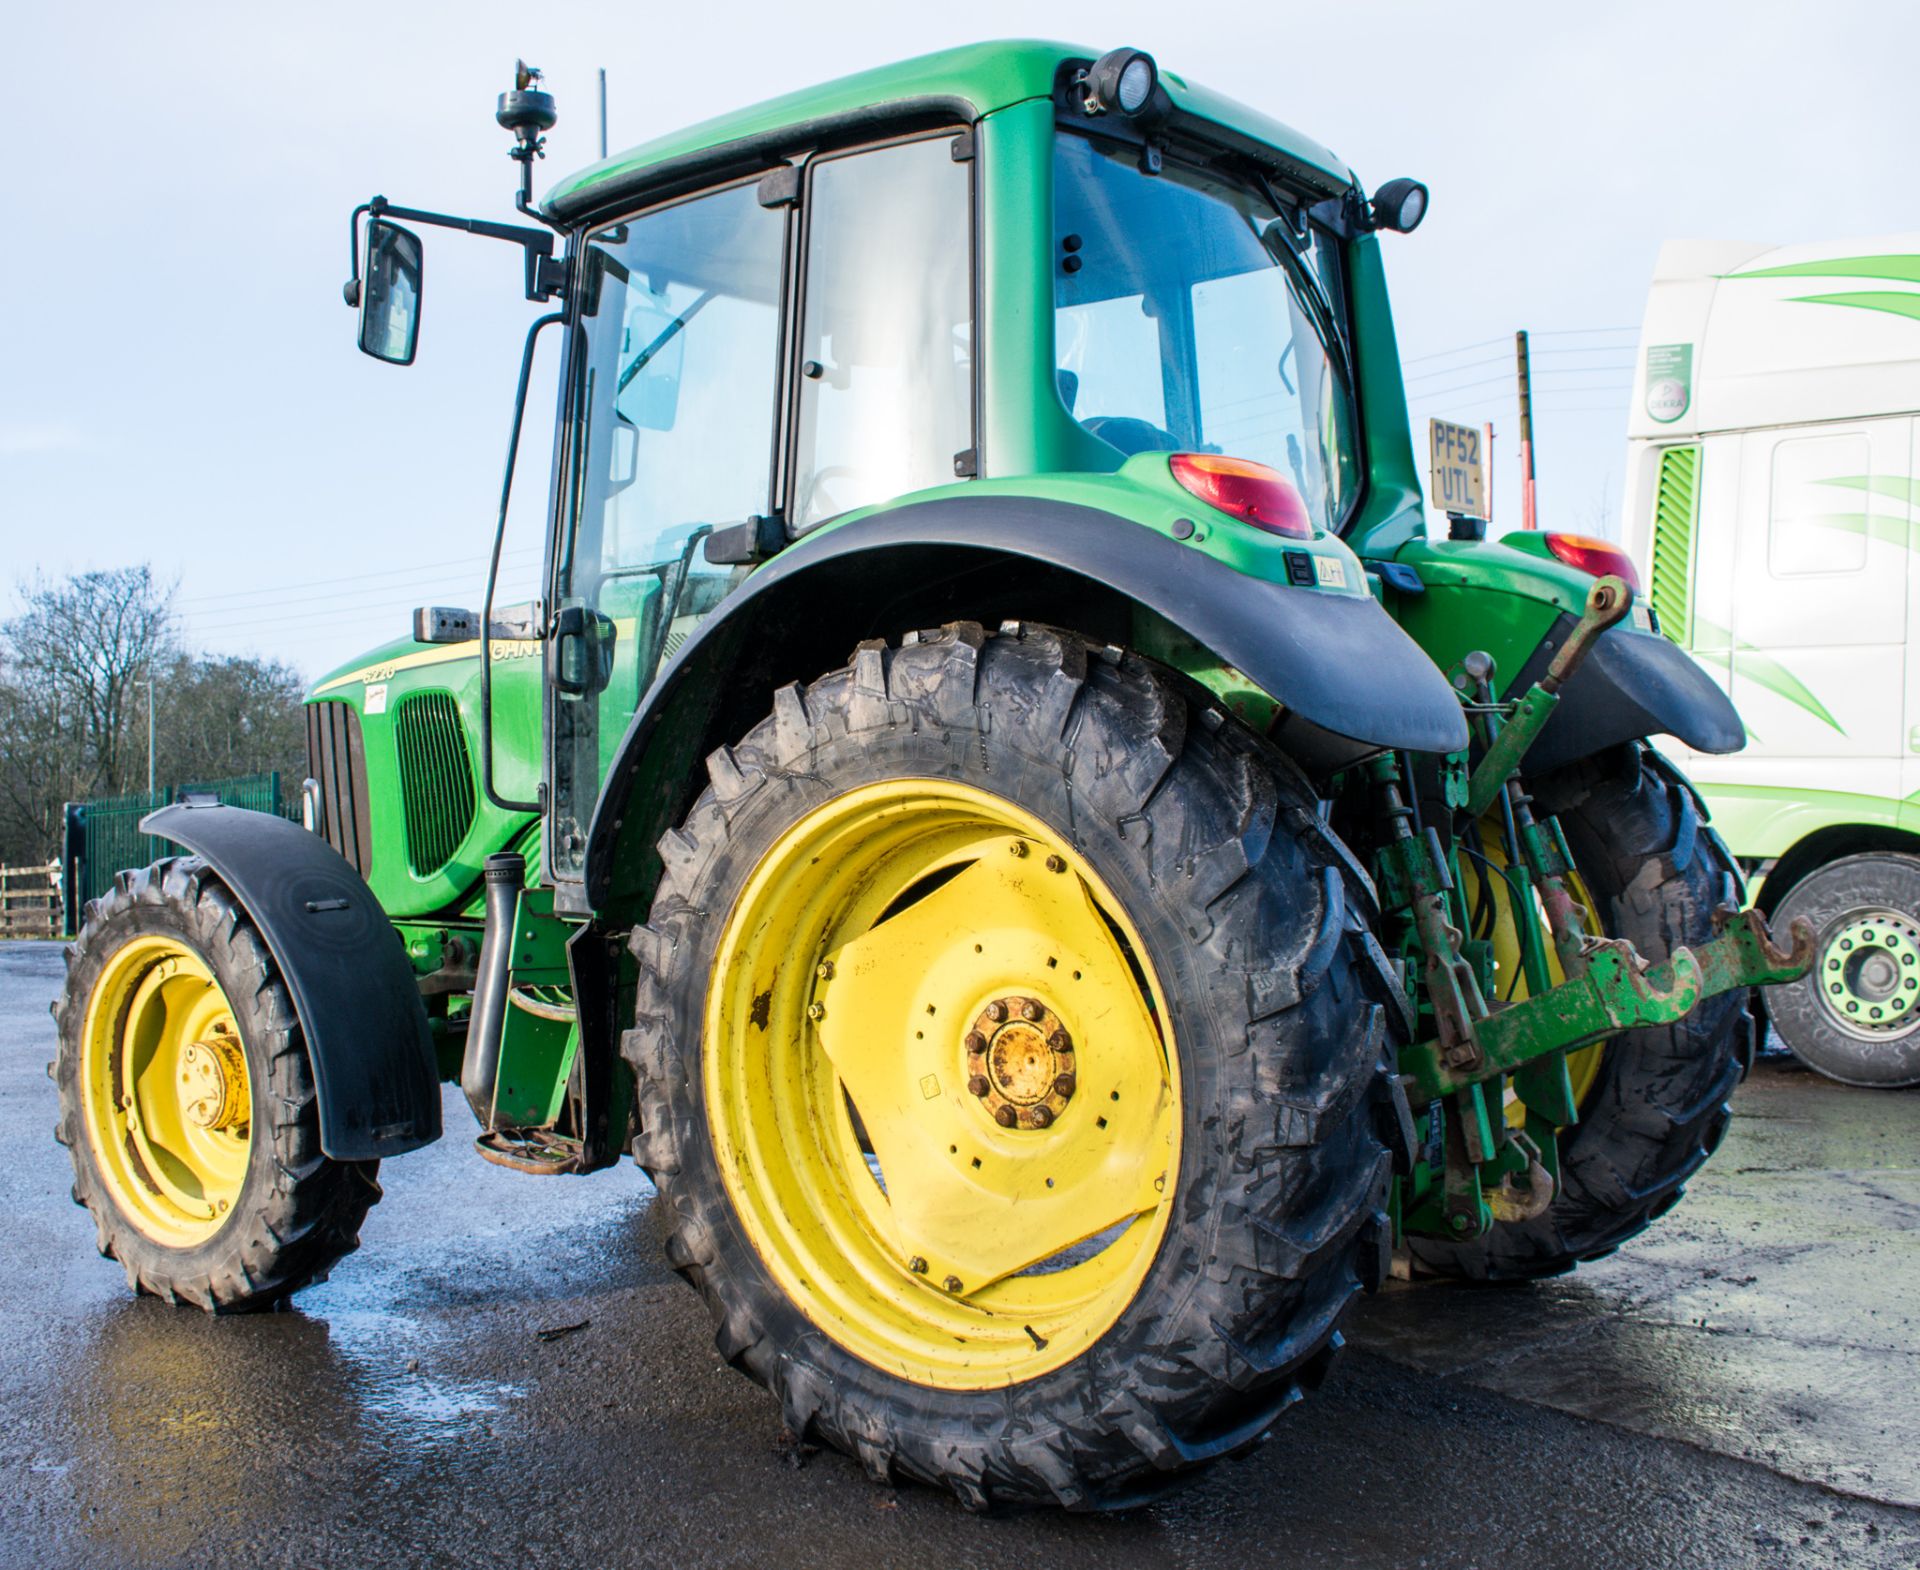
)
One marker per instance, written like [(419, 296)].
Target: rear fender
[(1348, 679), (345, 969), (1631, 685)]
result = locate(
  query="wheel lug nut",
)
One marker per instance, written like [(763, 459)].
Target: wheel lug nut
[(917, 1265), (1039, 1117), (952, 1283), (978, 1086), (1058, 1041), (1056, 864), (825, 970), (976, 1043), (816, 1011), (996, 1011), (1031, 1011), (1006, 1117), (1018, 847), (1064, 1087)]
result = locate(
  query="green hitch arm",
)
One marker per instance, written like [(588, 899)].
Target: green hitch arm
[(1745, 955), (1615, 992), (1608, 602)]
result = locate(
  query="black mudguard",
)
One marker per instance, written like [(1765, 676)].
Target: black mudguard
[(344, 966), (1349, 679), (1631, 685)]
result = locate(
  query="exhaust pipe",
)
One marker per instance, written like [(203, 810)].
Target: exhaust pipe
[(480, 1066)]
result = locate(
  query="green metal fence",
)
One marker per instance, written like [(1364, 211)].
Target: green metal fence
[(103, 836)]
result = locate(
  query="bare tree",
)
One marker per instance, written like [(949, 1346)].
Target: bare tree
[(73, 717), (69, 664), (85, 641), (216, 717)]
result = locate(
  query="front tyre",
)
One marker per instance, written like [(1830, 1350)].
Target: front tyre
[(1011, 1063), (1856, 1016), (187, 1101)]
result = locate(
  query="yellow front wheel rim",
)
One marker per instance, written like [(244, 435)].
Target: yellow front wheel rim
[(166, 1094), (943, 1093)]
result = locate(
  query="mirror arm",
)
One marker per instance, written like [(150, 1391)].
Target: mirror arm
[(545, 276), (505, 803), (351, 289)]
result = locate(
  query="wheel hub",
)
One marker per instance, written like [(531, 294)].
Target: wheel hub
[(1020, 1063), (213, 1082), (1870, 973)]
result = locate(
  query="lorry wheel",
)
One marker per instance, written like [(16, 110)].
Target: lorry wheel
[(187, 1101), (1856, 1016), (1013, 1065), (1653, 1103)]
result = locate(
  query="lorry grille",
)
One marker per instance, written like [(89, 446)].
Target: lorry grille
[(337, 759), (1676, 507), (436, 778)]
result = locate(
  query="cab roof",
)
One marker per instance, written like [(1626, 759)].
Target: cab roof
[(966, 84)]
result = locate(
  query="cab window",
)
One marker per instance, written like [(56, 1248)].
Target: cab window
[(886, 335)]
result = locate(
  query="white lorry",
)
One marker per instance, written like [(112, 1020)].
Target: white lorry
[(1772, 505)]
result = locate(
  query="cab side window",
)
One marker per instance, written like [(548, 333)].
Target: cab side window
[(886, 333), (1820, 505)]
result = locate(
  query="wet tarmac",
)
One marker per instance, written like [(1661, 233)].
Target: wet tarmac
[(1739, 1387)]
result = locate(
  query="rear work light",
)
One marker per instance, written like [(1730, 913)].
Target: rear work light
[(1599, 557), (1250, 491)]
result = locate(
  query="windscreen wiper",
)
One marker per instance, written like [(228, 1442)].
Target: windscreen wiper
[(1307, 284)]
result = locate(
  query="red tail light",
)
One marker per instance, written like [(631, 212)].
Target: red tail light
[(1250, 491), (1599, 557)]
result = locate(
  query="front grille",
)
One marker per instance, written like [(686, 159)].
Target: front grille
[(436, 778), (337, 759)]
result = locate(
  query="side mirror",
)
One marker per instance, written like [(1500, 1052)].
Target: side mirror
[(390, 293)]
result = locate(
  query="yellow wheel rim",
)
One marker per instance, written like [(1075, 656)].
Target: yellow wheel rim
[(943, 1098), (1510, 977), (165, 1092)]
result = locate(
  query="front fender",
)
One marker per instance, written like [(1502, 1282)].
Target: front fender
[(1631, 685), (345, 969), (1336, 663)]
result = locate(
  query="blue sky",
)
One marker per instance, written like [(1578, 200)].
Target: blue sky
[(181, 384)]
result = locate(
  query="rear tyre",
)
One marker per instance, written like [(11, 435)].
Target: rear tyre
[(187, 1102), (1856, 1016), (1656, 1107), (867, 1197)]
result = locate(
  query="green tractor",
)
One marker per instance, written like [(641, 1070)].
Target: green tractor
[(1001, 808)]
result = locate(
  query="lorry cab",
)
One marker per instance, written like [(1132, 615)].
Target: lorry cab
[(1772, 501)]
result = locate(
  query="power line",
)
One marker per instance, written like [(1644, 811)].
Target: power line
[(299, 590), (344, 615), (1507, 338)]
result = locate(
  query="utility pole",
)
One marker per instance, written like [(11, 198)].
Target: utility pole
[(603, 111), (1525, 370)]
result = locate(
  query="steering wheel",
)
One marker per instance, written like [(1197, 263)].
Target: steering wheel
[(819, 504)]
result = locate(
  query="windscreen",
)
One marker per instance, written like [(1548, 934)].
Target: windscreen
[(1199, 314)]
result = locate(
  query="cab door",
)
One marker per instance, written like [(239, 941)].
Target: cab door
[(672, 403), (1820, 605)]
